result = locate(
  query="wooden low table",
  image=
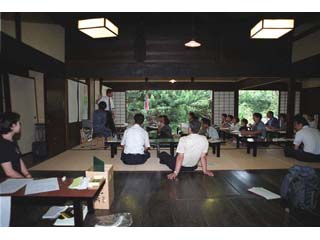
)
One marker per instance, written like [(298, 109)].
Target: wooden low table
[(63, 195), (159, 142), (215, 144)]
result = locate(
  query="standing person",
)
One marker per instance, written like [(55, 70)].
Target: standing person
[(207, 130), (190, 150), (306, 142), (273, 122), (107, 99), (99, 122), (258, 128), (164, 130), (10, 157), (136, 143)]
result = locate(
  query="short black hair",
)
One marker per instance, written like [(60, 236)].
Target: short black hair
[(237, 119), (258, 115), (102, 105), (166, 120), (7, 119), (195, 126), (138, 118), (206, 121), (270, 112), (109, 90), (193, 115), (300, 120), (224, 115), (244, 120), (230, 116)]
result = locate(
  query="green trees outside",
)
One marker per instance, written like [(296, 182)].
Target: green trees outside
[(176, 104), (261, 101)]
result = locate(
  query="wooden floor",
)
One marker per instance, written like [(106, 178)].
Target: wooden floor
[(194, 200)]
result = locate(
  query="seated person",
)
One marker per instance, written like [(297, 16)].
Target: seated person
[(283, 121), (190, 150), (136, 143), (244, 125), (235, 124), (306, 136), (164, 130), (258, 127), (273, 122), (207, 130), (312, 123), (228, 122), (223, 118), (10, 157), (99, 122), (192, 116)]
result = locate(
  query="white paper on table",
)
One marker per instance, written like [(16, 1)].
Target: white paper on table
[(54, 212), (70, 221), (42, 185), (264, 193), (5, 211), (83, 185), (12, 185)]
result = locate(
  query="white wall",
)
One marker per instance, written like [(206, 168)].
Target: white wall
[(39, 32), (307, 46), (8, 24)]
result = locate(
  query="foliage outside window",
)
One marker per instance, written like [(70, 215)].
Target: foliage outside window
[(176, 104), (261, 101)]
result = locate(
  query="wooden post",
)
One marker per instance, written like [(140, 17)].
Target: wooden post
[(291, 105)]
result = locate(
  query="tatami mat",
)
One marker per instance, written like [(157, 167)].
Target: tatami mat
[(231, 159)]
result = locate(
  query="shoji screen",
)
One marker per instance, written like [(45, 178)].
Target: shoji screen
[(223, 102), (119, 99), (284, 102)]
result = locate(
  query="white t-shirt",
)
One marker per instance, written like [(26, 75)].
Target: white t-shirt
[(135, 140), (192, 146), (312, 124), (106, 100), (310, 137)]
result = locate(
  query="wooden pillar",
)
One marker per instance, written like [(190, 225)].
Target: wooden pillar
[(291, 105), (236, 103)]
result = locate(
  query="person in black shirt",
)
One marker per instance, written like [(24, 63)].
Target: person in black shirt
[(10, 157), (164, 130)]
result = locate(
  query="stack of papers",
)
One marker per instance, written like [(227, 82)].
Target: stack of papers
[(80, 183), (264, 193), (70, 221), (42, 185), (13, 185), (54, 212)]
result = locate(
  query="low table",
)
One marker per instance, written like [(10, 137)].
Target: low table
[(63, 195), (215, 144), (172, 142)]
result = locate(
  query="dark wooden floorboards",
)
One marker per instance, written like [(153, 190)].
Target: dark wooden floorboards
[(193, 200)]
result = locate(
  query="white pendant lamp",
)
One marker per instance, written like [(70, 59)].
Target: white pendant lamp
[(98, 28), (271, 28)]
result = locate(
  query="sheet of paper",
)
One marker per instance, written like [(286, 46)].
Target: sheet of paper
[(5, 211), (70, 221), (264, 193), (80, 183), (54, 212), (13, 185), (42, 185)]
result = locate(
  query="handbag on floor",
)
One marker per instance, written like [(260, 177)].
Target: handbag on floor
[(301, 188)]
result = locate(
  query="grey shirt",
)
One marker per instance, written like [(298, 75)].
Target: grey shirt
[(260, 127)]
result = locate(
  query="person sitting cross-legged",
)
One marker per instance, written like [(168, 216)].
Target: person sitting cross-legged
[(190, 150), (136, 143), (306, 142)]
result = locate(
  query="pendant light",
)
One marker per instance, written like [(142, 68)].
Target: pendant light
[(192, 43)]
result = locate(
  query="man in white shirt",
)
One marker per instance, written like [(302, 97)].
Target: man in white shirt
[(136, 143), (107, 99), (190, 150), (306, 142)]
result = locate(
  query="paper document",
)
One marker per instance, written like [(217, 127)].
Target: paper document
[(70, 221), (5, 211), (54, 212), (12, 185), (42, 185), (80, 183), (264, 193)]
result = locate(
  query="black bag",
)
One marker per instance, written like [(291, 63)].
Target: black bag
[(39, 151), (301, 188)]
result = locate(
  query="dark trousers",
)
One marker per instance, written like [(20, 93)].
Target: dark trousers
[(134, 159), (301, 155), (170, 161)]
